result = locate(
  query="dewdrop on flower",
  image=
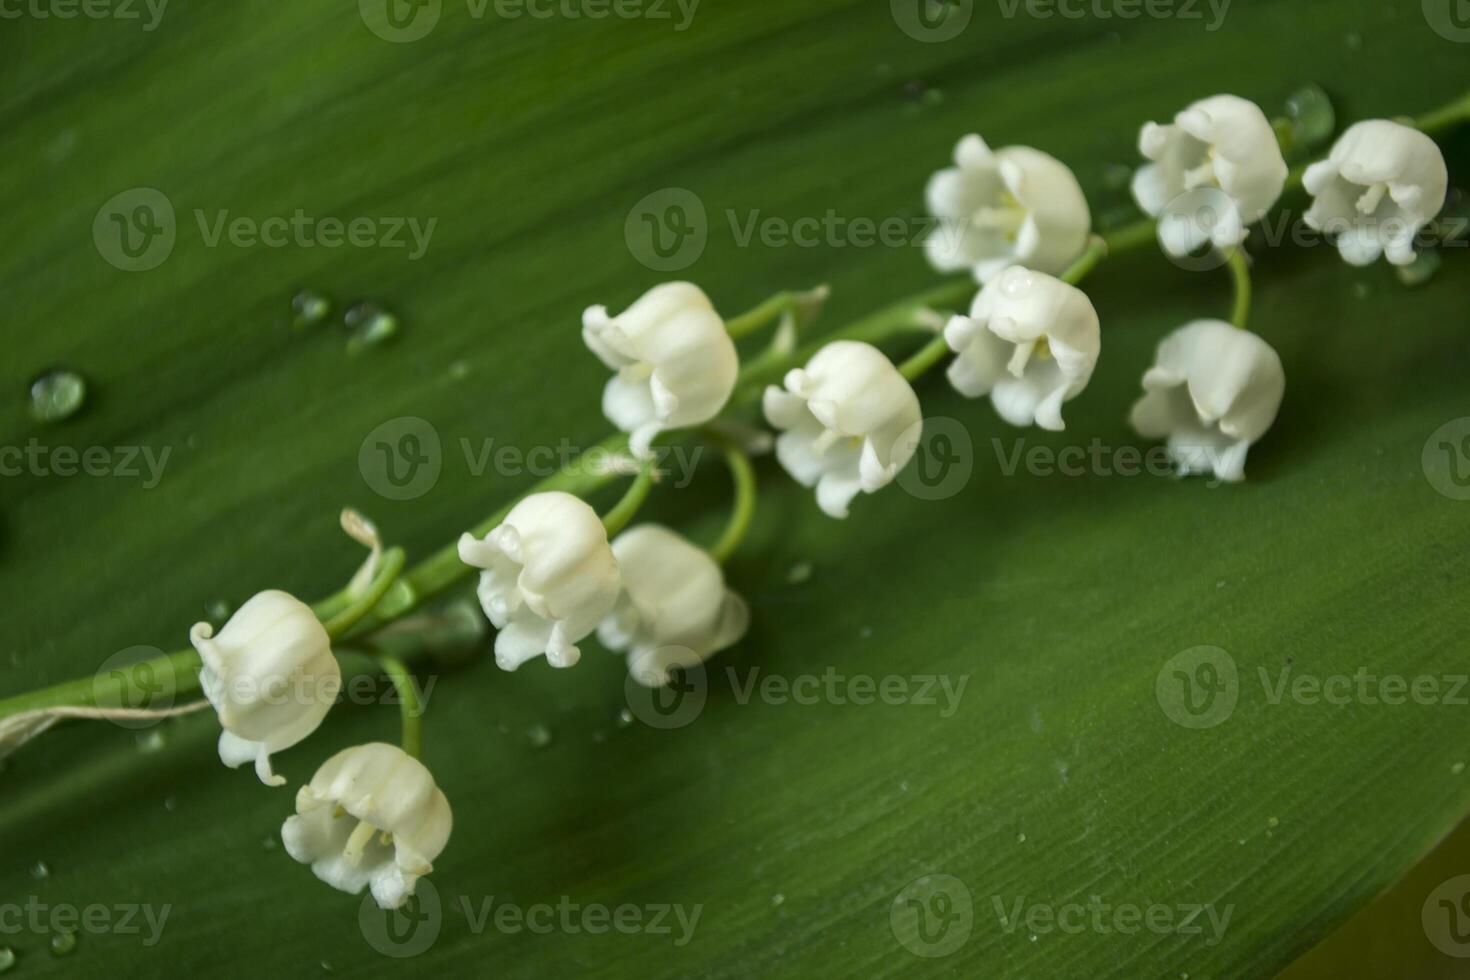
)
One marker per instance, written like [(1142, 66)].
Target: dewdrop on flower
[(548, 578), (676, 364), (849, 423), (372, 816), (1214, 389), (270, 676), (1030, 343), (1223, 148), (1013, 206), (674, 610), (1377, 189)]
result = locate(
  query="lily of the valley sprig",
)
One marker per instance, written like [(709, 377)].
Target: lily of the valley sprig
[(843, 417)]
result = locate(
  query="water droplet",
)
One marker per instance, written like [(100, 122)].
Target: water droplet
[(539, 735), (7, 958), (371, 326), (599, 737), (1353, 40), (170, 803), (866, 633), (40, 871), (218, 610), (1021, 838), (1361, 290), (903, 787), (1312, 117), (778, 899), (1421, 270), (1273, 822), (1033, 937), (625, 718), (310, 307), (1457, 768), (270, 843), (57, 395), (459, 370), (63, 943), (151, 740), (799, 572)]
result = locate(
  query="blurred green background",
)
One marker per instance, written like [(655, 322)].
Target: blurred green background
[(798, 830)]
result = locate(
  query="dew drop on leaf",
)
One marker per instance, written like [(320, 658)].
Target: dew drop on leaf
[(7, 959), (371, 326), (40, 871), (1312, 117), (310, 308), (57, 395), (151, 741), (63, 943), (799, 572), (625, 718), (1457, 768), (539, 735)]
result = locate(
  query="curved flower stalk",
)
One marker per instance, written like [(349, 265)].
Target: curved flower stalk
[(1223, 143), (548, 578), (372, 816), (1379, 186), (1214, 389), (849, 422), (675, 609), (270, 676), (676, 364), (1013, 206), (1030, 343)]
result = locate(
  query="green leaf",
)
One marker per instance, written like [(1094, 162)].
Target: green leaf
[(797, 829)]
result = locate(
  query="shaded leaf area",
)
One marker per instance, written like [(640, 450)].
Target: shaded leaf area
[(794, 827)]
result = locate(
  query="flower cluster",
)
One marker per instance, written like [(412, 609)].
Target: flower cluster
[(845, 423)]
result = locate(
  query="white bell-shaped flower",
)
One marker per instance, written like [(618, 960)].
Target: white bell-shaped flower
[(675, 610), (1222, 148), (548, 578), (1213, 390), (270, 676), (849, 423), (1030, 343), (1013, 206), (1377, 189), (372, 816), (675, 362)]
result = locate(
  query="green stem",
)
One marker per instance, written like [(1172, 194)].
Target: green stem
[(357, 608), (766, 313), (410, 710), (1097, 249), (743, 476), (625, 509), (1240, 278), (1447, 116), (924, 358)]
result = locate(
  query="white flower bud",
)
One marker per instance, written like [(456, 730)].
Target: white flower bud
[(1377, 189), (1030, 343), (676, 364), (1214, 390), (271, 677), (1224, 144), (549, 577), (850, 422), (675, 610), (1014, 206), (371, 816)]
